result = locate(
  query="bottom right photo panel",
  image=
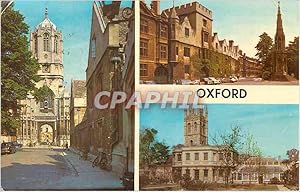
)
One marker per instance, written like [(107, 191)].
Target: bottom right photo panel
[(219, 147)]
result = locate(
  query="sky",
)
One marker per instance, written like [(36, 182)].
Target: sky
[(274, 127), (74, 19), (243, 21)]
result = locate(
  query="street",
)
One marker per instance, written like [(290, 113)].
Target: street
[(41, 168)]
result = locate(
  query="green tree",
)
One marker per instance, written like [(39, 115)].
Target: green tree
[(151, 150), (264, 54), (293, 57), (18, 68)]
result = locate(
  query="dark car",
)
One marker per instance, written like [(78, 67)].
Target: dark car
[(17, 145), (8, 147)]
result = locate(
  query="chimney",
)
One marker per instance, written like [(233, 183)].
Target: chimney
[(155, 5)]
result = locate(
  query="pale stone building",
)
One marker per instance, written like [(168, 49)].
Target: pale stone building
[(196, 158), (47, 120)]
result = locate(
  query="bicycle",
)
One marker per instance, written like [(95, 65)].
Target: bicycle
[(101, 160)]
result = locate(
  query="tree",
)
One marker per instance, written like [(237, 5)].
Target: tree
[(18, 68), (293, 57), (236, 148), (264, 54), (151, 150)]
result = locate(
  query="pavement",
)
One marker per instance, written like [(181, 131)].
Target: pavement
[(43, 169)]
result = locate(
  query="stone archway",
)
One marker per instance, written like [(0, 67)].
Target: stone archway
[(46, 133), (161, 75), (204, 71)]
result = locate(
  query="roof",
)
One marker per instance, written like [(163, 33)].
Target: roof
[(78, 88), (47, 22)]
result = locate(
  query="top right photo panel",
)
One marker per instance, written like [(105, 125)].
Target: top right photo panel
[(227, 42)]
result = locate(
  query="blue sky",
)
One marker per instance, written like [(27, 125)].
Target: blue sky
[(73, 18), (275, 127), (243, 21)]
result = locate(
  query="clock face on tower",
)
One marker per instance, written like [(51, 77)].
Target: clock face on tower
[(46, 69)]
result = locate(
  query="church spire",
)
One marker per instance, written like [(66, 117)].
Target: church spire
[(279, 36)]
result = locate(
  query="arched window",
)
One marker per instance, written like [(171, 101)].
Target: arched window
[(46, 42), (189, 128), (195, 127), (55, 44)]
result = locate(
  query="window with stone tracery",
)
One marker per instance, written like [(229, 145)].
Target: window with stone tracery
[(55, 44), (46, 42)]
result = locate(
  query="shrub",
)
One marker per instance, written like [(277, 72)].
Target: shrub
[(274, 180), (266, 75)]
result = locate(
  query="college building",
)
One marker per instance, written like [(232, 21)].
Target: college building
[(179, 43)]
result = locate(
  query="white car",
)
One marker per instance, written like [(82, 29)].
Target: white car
[(215, 81), (208, 81)]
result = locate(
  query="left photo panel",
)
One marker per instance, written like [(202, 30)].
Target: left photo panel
[(67, 69)]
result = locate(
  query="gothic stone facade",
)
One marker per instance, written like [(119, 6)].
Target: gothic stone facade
[(109, 130), (173, 42), (48, 120)]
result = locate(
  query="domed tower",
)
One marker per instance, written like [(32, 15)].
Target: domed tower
[(196, 126), (173, 49), (46, 45)]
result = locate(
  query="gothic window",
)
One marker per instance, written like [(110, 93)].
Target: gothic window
[(176, 50), (93, 48), (204, 23), (46, 42), (189, 127), (196, 171), (187, 32), (163, 51), (205, 37), (55, 44), (195, 126), (196, 156), (205, 172), (163, 30), (36, 44)]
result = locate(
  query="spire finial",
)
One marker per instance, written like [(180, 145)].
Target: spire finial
[(46, 12), (173, 3), (278, 6)]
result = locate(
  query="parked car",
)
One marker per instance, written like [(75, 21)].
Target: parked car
[(215, 81), (17, 145), (184, 82), (232, 79), (8, 148), (208, 81), (196, 82)]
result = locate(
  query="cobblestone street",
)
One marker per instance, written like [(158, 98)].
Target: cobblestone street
[(41, 168)]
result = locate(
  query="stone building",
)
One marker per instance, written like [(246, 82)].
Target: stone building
[(153, 44), (190, 32), (46, 120), (250, 67), (196, 158), (110, 68), (175, 41), (77, 110)]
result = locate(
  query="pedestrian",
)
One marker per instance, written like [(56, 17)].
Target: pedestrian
[(67, 146)]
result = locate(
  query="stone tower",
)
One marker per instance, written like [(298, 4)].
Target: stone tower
[(46, 121), (196, 126), (46, 45), (173, 49), (280, 63)]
